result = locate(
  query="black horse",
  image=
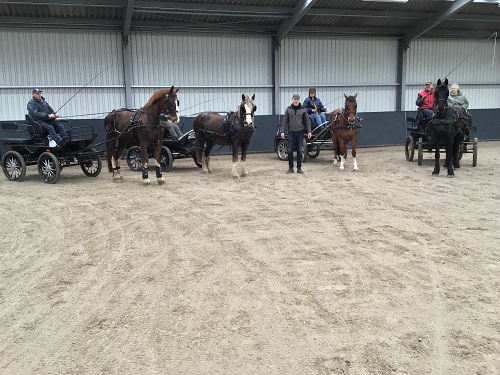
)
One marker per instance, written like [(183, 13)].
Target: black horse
[(446, 129), (235, 130)]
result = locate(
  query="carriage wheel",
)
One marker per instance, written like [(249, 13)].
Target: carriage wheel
[(166, 159), (93, 167), (49, 168), (282, 149), (461, 149), (313, 154), (409, 148), (474, 153), (134, 160), (420, 151), (14, 166)]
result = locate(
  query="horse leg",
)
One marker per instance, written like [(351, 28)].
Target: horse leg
[(449, 155), (115, 161), (234, 171), (353, 153), (342, 150), (159, 177), (335, 144), (457, 143), (244, 148), (208, 151), (145, 158), (436, 170)]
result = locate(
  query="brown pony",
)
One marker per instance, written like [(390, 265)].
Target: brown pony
[(234, 130), (125, 128), (344, 128)]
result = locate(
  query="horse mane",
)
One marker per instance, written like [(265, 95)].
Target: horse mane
[(351, 98), (162, 93)]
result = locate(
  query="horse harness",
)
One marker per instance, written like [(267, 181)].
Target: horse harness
[(343, 113)]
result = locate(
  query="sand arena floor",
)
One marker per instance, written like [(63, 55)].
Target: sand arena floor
[(382, 271)]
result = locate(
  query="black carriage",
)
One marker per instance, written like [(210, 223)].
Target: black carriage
[(419, 137), (321, 139), (181, 148), (25, 144)]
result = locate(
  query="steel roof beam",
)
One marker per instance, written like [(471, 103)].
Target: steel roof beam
[(127, 19), (70, 22), (89, 3), (298, 12), (435, 20), (211, 8)]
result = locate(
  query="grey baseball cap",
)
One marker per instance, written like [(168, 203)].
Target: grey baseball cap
[(296, 96)]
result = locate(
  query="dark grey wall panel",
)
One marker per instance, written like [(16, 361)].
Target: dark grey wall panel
[(379, 129)]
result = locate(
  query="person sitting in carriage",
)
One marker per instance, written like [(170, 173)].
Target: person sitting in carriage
[(425, 100), (315, 108), (457, 99), (173, 129), (41, 111), (460, 104)]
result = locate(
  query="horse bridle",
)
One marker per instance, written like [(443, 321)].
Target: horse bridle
[(167, 97), (346, 113), (254, 108)]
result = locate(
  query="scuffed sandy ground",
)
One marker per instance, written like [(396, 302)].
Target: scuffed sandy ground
[(382, 271)]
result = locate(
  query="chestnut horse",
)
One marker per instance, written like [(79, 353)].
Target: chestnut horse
[(125, 128), (344, 127), (234, 130)]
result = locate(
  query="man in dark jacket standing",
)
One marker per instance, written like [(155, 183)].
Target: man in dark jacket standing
[(295, 121), (41, 112)]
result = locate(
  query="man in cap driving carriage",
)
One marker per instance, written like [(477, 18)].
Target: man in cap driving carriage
[(315, 108), (425, 100), (172, 128), (40, 110)]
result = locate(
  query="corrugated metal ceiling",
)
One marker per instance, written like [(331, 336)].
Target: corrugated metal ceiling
[(325, 17)]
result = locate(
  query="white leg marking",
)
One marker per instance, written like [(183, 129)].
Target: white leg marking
[(355, 164), (234, 172), (244, 172), (341, 162)]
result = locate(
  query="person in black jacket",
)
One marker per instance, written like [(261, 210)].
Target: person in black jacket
[(41, 112), (295, 121), (315, 108)]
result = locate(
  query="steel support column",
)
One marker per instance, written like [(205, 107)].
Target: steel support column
[(401, 76)]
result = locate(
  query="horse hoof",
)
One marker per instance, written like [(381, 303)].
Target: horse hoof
[(118, 179), (341, 168), (451, 175), (236, 178), (161, 181), (146, 182), (435, 174)]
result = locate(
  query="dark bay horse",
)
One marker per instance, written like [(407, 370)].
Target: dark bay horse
[(125, 128), (446, 129), (234, 130), (344, 128)]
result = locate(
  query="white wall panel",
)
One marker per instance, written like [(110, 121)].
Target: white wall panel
[(60, 63), (478, 74), (89, 103), (338, 65), (205, 66), (194, 101)]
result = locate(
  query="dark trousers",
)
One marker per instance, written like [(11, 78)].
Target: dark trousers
[(295, 140), (55, 130)]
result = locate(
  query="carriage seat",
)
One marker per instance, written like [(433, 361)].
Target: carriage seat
[(36, 132)]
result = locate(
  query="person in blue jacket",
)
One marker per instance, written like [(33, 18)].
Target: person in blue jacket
[(315, 108), (42, 113)]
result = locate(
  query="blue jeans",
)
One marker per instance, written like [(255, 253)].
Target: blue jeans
[(55, 130), (319, 118), (426, 112), (295, 140)]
